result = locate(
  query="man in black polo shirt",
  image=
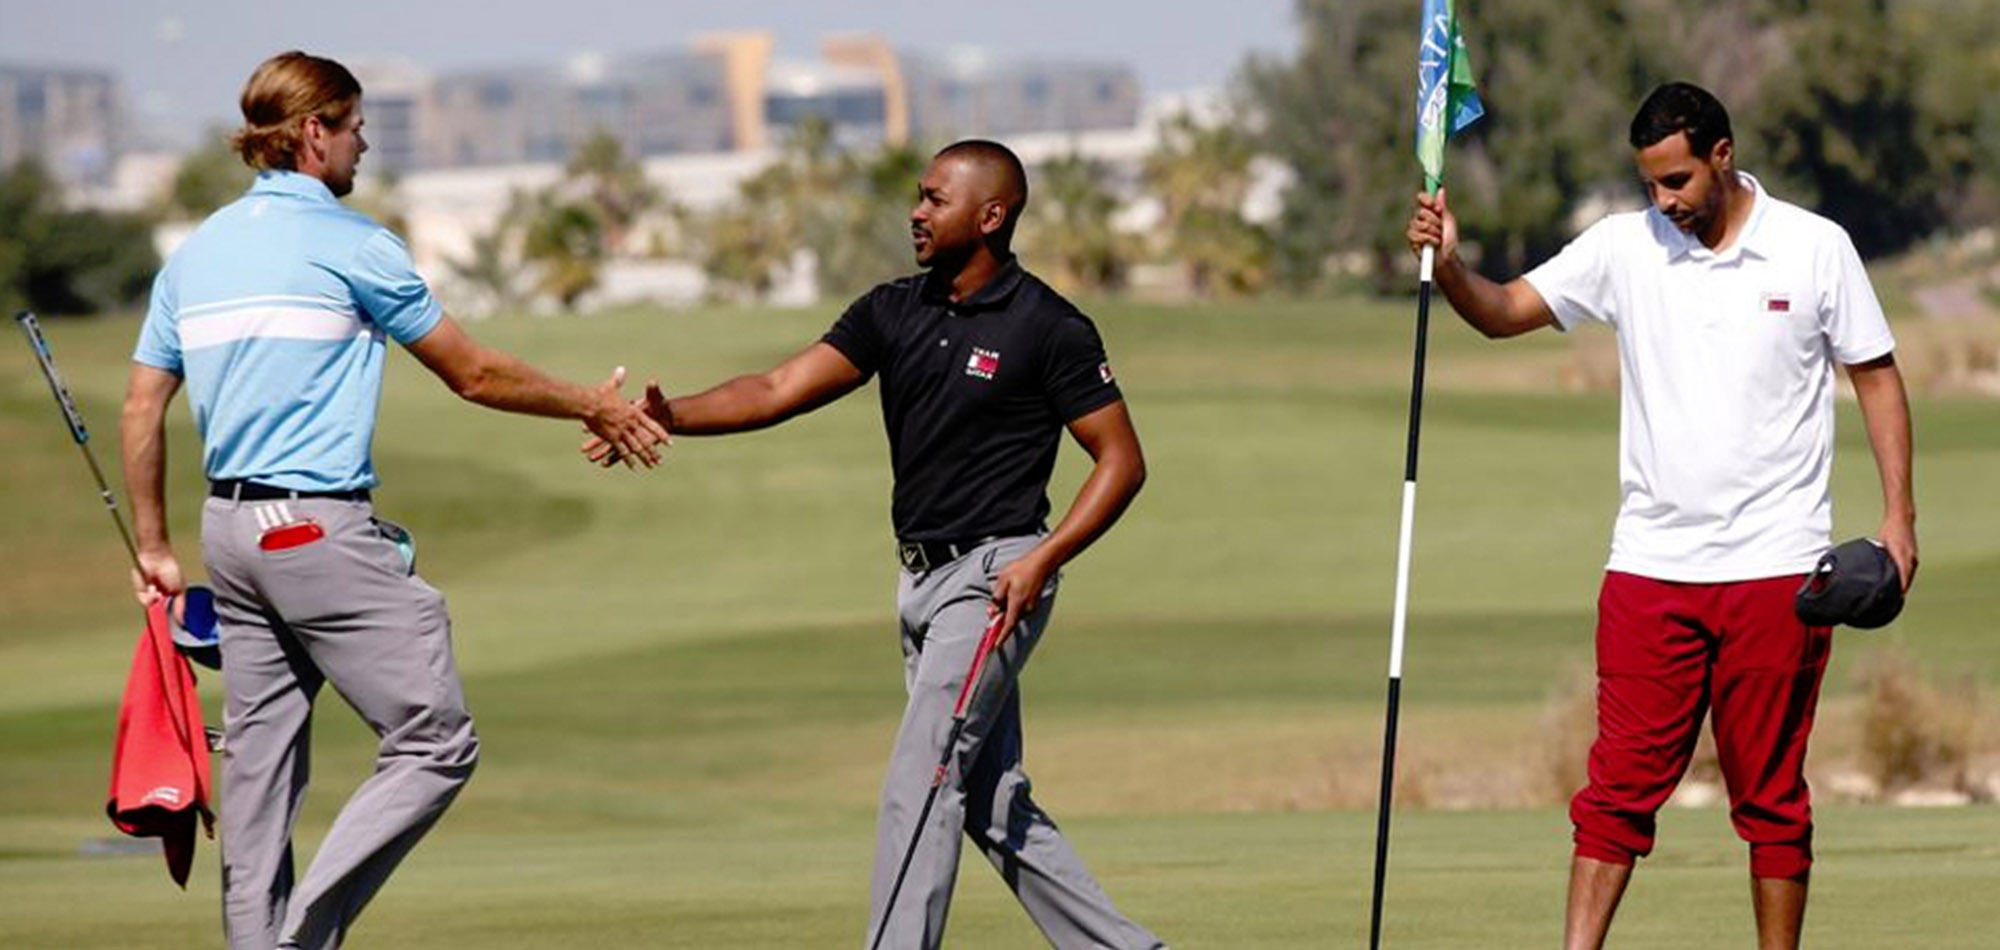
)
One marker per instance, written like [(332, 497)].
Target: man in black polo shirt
[(982, 368)]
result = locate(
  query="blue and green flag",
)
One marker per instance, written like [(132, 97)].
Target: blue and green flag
[(1446, 99)]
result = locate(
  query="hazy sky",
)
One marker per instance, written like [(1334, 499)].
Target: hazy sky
[(182, 63)]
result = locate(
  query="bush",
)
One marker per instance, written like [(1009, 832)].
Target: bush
[(65, 262), (1914, 732)]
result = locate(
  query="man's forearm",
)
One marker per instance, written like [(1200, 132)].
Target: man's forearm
[(1114, 481), (739, 405), (143, 455), (1885, 409), (508, 384)]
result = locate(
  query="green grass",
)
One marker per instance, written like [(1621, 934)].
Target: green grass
[(686, 680)]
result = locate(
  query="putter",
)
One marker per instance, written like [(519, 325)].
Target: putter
[(986, 644), (192, 611), (77, 431)]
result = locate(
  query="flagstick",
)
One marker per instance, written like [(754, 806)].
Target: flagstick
[(1402, 598)]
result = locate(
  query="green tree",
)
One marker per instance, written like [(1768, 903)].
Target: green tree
[(58, 261), (1957, 47), (1825, 97), (1834, 121), (614, 184), (743, 248), (1070, 224), (1201, 175), (871, 221), (491, 271), (847, 209), (208, 178), (564, 240)]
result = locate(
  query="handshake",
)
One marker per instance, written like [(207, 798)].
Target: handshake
[(629, 431)]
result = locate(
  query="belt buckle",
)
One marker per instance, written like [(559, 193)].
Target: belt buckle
[(911, 553)]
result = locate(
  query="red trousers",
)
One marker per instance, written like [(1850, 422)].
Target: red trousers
[(1668, 653)]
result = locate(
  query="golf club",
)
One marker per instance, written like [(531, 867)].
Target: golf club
[(192, 611), (987, 642), (77, 430)]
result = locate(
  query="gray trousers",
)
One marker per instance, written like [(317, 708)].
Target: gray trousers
[(943, 614), (347, 609)]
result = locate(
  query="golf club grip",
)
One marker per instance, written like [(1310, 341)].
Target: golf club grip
[(987, 641), (33, 329)]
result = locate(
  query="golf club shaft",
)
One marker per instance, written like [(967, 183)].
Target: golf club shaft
[(1401, 615), (987, 641), (77, 431)]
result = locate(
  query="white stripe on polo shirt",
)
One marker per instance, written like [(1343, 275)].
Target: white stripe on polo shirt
[(303, 300), (268, 323)]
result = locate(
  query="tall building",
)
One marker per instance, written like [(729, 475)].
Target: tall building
[(968, 94), (727, 92), (66, 118), (657, 104)]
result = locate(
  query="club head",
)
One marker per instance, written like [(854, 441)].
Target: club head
[(195, 632)]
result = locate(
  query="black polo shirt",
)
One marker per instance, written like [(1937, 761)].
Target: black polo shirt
[(975, 396)]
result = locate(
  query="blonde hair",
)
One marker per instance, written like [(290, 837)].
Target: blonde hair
[(281, 94)]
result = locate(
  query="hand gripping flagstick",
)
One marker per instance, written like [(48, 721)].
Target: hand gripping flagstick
[(987, 642), (75, 419), (1446, 103)]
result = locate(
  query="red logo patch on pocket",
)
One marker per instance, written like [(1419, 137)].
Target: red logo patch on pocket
[(286, 536)]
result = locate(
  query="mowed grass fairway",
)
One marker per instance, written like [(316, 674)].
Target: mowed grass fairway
[(687, 680)]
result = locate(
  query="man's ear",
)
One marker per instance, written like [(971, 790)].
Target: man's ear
[(312, 138), (992, 217), (1723, 155)]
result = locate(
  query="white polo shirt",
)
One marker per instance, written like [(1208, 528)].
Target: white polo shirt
[(1726, 417)]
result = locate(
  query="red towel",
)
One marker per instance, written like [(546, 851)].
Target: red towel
[(159, 767)]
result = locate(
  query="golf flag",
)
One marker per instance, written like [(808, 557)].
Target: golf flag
[(1446, 99)]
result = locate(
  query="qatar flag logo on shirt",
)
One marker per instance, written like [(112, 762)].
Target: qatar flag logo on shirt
[(1777, 303), (983, 363)]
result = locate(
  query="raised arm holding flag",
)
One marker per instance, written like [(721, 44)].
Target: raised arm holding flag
[(1446, 104)]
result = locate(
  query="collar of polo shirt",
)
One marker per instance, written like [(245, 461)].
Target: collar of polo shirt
[(993, 295), (278, 181), (1681, 244)]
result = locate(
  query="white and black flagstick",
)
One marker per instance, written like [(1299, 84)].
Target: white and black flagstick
[(1401, 616)]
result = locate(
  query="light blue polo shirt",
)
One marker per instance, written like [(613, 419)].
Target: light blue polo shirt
[(275, 312)]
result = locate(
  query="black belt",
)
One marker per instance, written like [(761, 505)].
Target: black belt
[(927, 555), (239, 490)]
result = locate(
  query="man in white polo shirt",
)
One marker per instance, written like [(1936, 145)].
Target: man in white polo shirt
[(1731, 308)]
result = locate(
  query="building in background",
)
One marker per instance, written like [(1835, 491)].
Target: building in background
[(66, 118), (967, 94), (728, 92)]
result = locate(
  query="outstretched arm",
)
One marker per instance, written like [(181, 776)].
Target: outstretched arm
[(1120, 470), (1497, 310), (818, 375), (498, 380), (142, 442), (1885, 407)]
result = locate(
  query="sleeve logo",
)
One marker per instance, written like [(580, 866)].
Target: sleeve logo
[(1104, 372)]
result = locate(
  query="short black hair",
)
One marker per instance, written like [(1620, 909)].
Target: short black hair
[(1681, 107), (1013, 175)]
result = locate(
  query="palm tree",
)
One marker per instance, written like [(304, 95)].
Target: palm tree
[(1071, 224), (1201, 176), (613, 183), (565, 239)]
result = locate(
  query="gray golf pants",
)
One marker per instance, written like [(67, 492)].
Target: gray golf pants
[(347, 609), (943, 614)]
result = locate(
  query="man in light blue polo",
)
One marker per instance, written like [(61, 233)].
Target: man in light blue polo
[(275, 314)]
